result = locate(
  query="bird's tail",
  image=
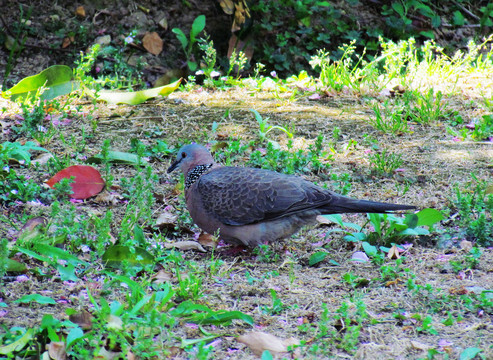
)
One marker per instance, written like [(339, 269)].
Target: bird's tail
[(342, 204)]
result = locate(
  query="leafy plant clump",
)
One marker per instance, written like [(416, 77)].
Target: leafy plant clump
[(309, 25), (474, 205)]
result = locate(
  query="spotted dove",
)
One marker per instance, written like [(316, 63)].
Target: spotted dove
[(252, 206)]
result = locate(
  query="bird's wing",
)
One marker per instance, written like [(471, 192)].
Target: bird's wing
[(240, 196)]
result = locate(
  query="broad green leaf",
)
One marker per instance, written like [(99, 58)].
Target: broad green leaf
[(376, 220), (67, 273), (470, 353), (75, 334), (429, 217), (57, 80), (355, 237), (136, 97), (19, 152), (116, 255), (139, 236), (118, 157), (49, 321), (414, 232), (33, 254), (197, 27), (181, 37), (15, 266), (317, 257), (397, 227), (436, 21), (222, 317), (399, 9), (306, 21), (385, 249), (201, 314), (428, 34), (411, 220), (56, 253), (192, 65), (266, 355), (370, 250), (18, 344), (40, 299), (187, 308)]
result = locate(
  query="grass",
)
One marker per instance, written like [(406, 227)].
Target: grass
[(105, 282)]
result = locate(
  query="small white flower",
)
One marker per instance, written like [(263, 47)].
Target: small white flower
[(199, 72), (129, 40), (14, 191), (215, 73)]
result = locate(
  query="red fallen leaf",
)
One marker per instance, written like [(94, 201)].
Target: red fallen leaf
[(87, 180)]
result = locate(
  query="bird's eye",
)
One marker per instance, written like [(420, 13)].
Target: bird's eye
[(183, 154)]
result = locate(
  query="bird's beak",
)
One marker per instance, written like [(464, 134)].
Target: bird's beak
[(173, 166)]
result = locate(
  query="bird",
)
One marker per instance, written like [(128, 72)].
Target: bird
[(250, 206)]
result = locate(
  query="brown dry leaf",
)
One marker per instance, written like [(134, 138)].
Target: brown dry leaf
[(106, 197), (323, 220), (32, 223), (177, 189), (393, 253), (42, 159), (259, 341), (163, 23), (393, 282), (466, 245), (107, 355), (166, 220), (174, 351), (161, 277), (153, 43), (420, 346), (221, 144), (131, 356), (114, 322), (206, 239), (67, 41), (228, 6), (56, 350), (80, 12), (185, 245), (83, 319)]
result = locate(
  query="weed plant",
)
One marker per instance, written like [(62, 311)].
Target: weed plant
[(474, 204), (389, 119), (385, 163)]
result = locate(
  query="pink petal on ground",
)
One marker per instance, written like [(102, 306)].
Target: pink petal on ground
[(360, 256)]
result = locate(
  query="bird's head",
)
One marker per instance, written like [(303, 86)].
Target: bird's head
[(190, 156)]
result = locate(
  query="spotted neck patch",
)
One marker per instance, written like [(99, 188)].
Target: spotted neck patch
[(195, 173)]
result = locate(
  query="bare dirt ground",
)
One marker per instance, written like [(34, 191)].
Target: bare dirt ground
[(434, 164)]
